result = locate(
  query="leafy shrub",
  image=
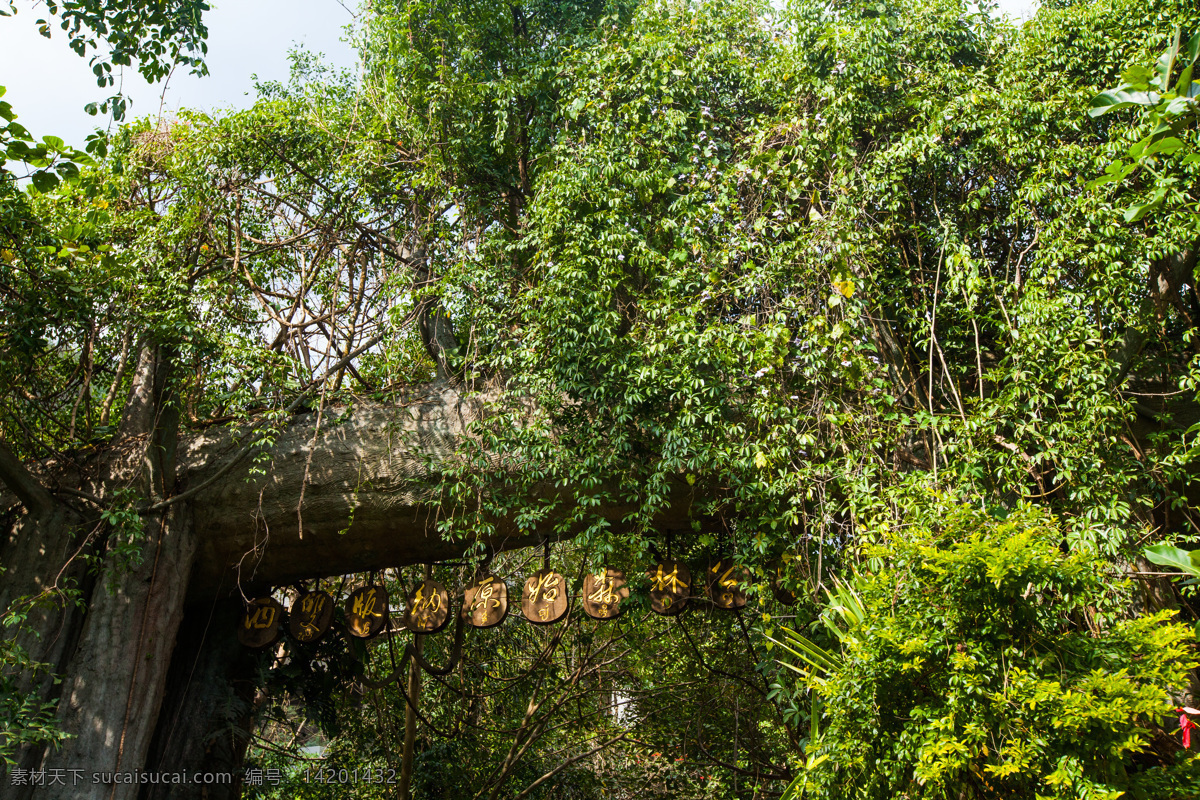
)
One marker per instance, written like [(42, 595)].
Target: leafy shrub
[(991, 663)]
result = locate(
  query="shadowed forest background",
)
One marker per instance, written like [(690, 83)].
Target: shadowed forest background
[(892, 304)]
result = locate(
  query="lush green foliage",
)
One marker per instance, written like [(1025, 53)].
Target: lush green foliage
[(1169, 102), (990, 662), (779, 263), (157, 36)]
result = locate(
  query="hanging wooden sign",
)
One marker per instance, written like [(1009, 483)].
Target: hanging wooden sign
[(310, 617), (485, 602), (670, 585), (367, 611), (260, 622), (545, 597), (727, 585), (428, 608), (603, 593), (782, 594)]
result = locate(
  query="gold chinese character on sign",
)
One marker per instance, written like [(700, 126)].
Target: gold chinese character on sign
[(367, 611), (260, 622), (545, 597), (670, 584), (726, 585), (310, 617), (428, 608), (603, 593), (779, 580), (485, 602)]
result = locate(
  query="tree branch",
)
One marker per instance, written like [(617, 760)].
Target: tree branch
[(27, 488), (568, 763)]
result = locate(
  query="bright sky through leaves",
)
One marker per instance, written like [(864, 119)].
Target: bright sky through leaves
[(48, 84)]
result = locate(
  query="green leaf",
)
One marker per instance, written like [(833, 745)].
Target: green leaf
[(68, 171), (817, 658), (1166, 64), (1184, 87), (1120, 98), (97, 144), (1192, 50), (1164, 146), (795, 789), (1167, 556), (1184, 84), (1115, 172), (1139, 210), (44, 181), (1177, 107), (1137, 149), (1137, 77)]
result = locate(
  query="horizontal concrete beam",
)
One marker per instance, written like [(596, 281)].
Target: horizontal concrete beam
[(367, 475)]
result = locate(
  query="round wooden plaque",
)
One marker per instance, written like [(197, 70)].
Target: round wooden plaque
[(783, 595), (670, 585), (367, 611), (603, 593), (428, 608), (260, 622), (310, 616), (727, 585), (545, 597), (485, 602)]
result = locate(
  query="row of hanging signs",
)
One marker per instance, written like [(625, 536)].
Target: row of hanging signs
[(544, 601)]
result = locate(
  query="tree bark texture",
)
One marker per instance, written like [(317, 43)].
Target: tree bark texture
[(208, 708), (410, 726), (114, 681)]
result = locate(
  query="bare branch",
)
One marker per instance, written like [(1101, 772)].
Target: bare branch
[(568, 763)]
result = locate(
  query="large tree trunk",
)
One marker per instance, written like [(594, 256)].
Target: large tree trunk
[(114, 682), (365, 478), (208, 710), (113, 658), (33, 555)]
